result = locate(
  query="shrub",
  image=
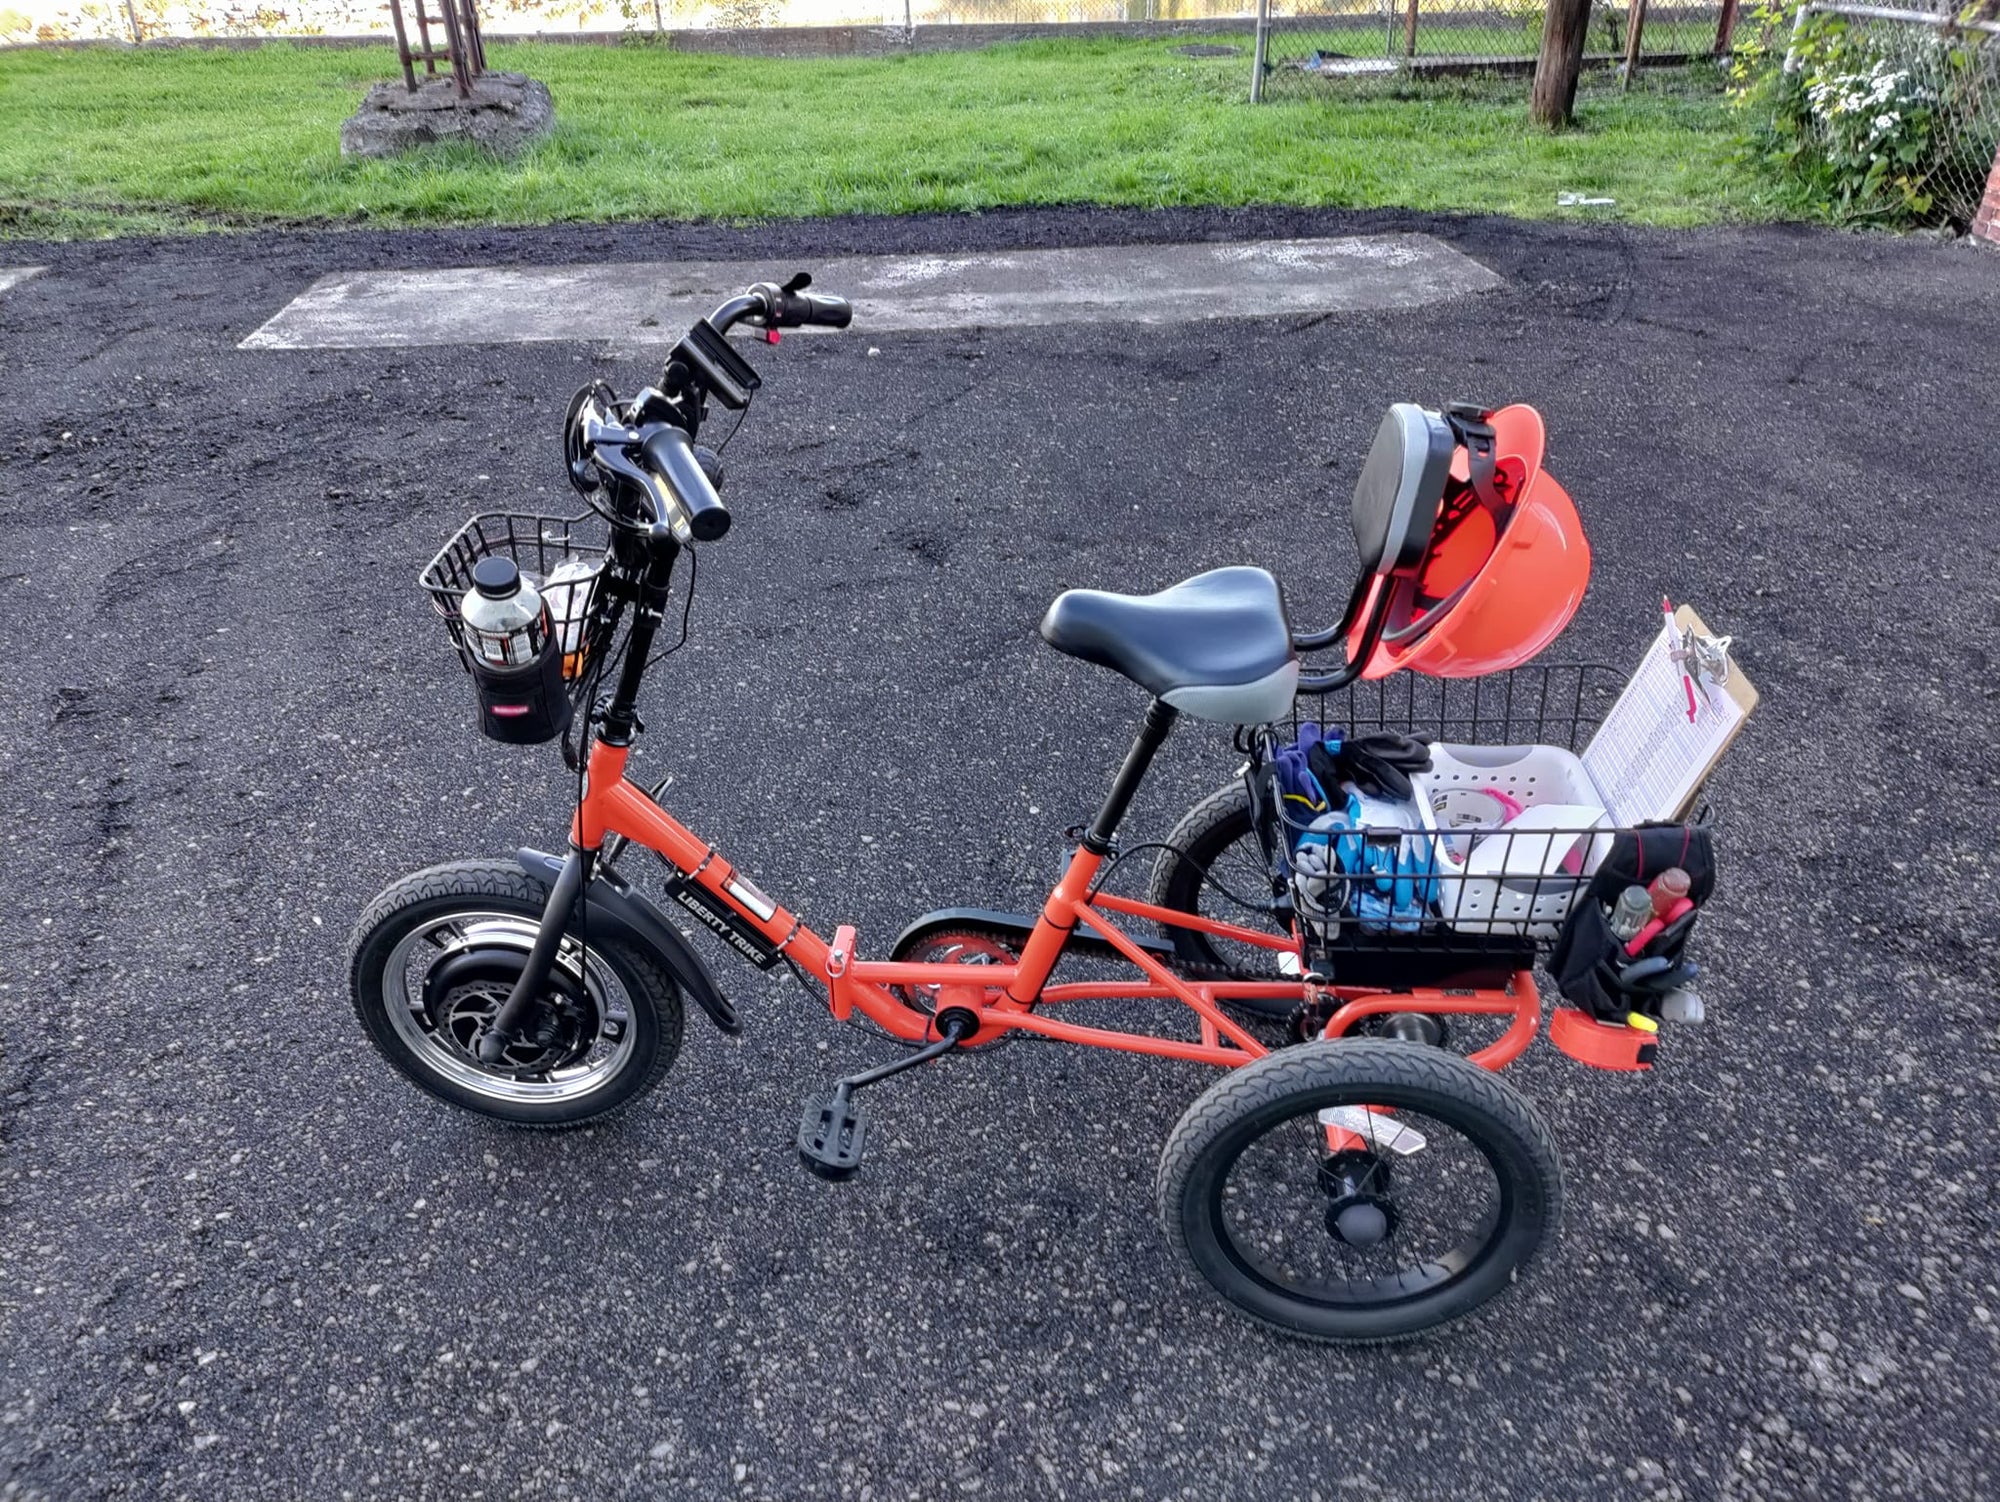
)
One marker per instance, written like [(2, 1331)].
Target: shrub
[(1869, 124)]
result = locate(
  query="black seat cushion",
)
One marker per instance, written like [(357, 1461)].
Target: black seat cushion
[(1217, 646)]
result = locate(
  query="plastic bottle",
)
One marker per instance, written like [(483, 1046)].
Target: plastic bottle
[(1668, 888), (1631, 912), (1682, 1006), (502, 615), (568, 591)]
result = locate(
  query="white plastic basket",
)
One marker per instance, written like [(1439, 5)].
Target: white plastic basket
[(1525, 877)]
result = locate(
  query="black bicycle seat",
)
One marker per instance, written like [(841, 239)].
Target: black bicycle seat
[(1216, 646)]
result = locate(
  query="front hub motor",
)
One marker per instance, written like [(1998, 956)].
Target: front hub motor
[(463, 994)]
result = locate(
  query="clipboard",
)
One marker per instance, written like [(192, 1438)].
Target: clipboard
[(1646, 759)]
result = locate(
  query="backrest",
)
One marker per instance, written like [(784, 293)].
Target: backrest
[(1396, 498)]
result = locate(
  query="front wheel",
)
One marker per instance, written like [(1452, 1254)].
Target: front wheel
[(1361, 1190), (436, 954)]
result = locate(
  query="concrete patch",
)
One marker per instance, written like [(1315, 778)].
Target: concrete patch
[(13, 276), (651, 303)]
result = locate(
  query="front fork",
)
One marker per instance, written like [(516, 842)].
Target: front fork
[(619, 723), (534, 976)]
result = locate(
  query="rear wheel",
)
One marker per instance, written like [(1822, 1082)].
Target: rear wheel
[(1359, 1191), (1214, 868), (436, 954)]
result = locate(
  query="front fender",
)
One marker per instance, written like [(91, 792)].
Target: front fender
[(618, 911)]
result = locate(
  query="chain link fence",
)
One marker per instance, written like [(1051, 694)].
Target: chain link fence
[(1311, 45), (23, 21), (1896, 108)]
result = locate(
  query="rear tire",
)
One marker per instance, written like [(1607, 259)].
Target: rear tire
[(1214, 868), (435, 953), (1285, 1256)]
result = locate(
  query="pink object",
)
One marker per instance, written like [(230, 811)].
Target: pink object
[(1651, 931)]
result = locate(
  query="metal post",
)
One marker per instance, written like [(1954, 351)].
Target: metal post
[(476, 41), (1257, 52), (424, 36), (1792, 49), (455, 45)]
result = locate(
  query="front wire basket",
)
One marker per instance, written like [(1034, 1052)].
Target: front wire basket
[(579, 611), (1465, 865)]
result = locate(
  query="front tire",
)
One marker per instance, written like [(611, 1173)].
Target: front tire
[(435, 954), (1359, 1191)]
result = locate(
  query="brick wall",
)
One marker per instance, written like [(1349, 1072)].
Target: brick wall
[(1986, 224)]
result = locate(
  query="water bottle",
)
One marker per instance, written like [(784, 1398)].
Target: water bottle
[(502, 616), (1682, 1006), (1632, 912), (517, 668)]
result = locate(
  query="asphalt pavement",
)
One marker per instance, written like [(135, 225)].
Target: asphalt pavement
[(240, 1258)]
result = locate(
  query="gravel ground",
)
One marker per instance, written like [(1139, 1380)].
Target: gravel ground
[(242, 1259)]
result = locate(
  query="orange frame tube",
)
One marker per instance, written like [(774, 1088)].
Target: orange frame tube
[(1005, 998)]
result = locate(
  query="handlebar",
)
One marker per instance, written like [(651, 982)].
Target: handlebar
[(648, 441), (768, 305), (670, 456)]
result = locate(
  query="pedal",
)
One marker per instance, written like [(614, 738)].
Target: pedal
[(832, 1135), (833, 1131)]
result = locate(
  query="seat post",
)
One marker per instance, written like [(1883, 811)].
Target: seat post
[(1160, 717)]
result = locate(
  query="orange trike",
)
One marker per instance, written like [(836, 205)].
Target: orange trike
[(1360, 1172)]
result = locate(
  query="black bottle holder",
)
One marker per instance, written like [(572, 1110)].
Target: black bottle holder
[(524, 705), (527, 704)]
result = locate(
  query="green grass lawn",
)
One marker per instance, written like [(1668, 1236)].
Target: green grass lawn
[(106, 142)]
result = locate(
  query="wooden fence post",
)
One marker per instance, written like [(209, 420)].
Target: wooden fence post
[(1725, 28), (1410, 31), (1564, 31), (1635, 28)]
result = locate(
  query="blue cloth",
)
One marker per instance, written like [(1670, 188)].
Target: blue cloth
[(1299, 793), (1391, 887)]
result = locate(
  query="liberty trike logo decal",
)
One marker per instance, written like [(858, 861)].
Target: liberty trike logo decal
[(724, 924)]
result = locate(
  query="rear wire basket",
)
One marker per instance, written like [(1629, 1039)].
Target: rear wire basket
[(1446, 885), (537, 545)]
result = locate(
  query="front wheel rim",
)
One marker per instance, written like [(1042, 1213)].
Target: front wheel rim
[(441, 1034)]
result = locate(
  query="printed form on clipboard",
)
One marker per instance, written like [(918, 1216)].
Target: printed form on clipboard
[(1648, 759)]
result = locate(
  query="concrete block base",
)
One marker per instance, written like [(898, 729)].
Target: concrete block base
[(505, 112)]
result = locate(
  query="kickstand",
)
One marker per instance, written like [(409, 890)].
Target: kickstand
[(834, 1131)]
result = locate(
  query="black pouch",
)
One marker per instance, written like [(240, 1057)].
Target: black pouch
[(1588, 955), (525, 705)]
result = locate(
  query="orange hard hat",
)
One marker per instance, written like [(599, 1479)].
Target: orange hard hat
[(1501, 574)]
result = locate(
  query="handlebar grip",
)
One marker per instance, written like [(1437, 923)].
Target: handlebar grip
[(670, 455), (791, 309), (827, 311)]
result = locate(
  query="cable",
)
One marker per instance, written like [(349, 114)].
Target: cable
[(687, 607), (1206, 875), (740, 417)]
